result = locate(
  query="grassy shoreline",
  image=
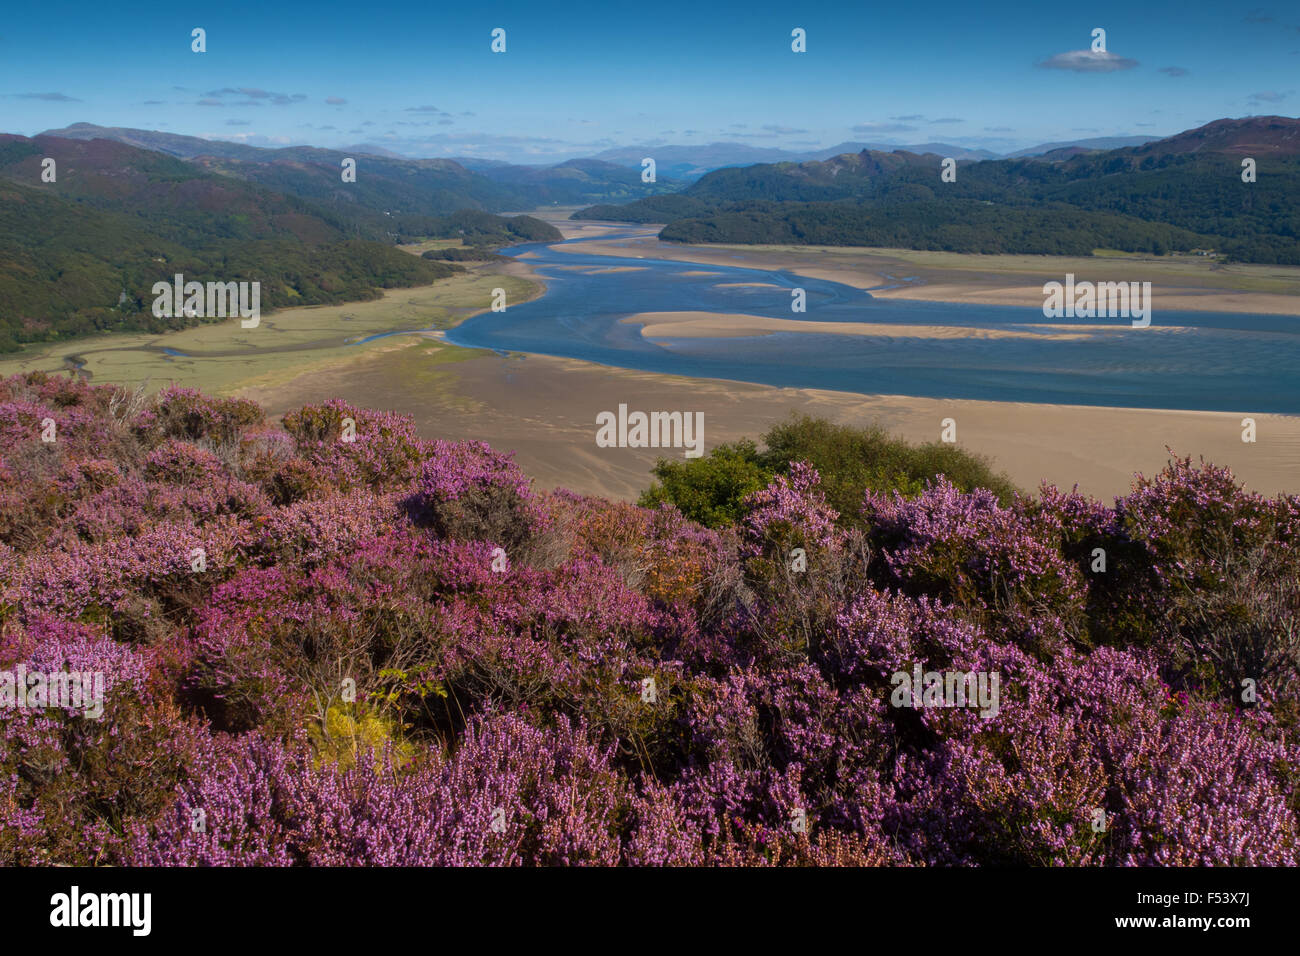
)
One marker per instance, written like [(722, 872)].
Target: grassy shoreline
[(224, 358)]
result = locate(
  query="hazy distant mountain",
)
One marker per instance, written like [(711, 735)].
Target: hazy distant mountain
[(1249, 136), (579, 181), (370, 149), (691, 162), (390, 185), (477, 162), (941, 149), (186, 147), (1083, 145)]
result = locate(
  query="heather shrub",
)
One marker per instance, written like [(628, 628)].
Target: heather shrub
[(382, 451), (468, 492), (657, 551), (1120, 603), (559, 796), (799, 564), (236, 809), (181, 463), (251, 669), (349, 673), (1207, 757), (264, 803), (295, 479), (190, 415), (312, 531), (69, 783), (101, 579), (1225, 572), (132, 506), (30, 497), (1002, 563)]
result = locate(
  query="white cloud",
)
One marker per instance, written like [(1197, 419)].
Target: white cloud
[(1085, 61), (883, 128)]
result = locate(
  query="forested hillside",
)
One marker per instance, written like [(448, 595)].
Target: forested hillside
[(1177, 194), (81, 254), (480, 228), (391, 193)]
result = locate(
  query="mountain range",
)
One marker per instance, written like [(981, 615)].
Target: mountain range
[(390, 185), (673, 161), (1180, 193)]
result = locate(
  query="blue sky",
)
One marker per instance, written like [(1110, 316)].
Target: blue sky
[(420, 78)]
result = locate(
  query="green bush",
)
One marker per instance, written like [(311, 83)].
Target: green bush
[(850, 460), (709, 490)]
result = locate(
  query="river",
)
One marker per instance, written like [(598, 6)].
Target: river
[(1187, 360)]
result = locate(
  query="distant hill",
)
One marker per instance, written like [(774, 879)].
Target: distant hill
[(655, 209), (940, 149), (579, 181), (1179, 193), (1082, 145), (81, 254), (176, 199), (692, 162), (173, 144), (387, 191), (956, 225), (370, 149), (1253, 136), (850, 176), (478, 163), (390, 198), (391, 192)]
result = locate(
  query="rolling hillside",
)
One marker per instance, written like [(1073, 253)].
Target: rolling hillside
[(1179, 193), (81, 254), (391, 193)]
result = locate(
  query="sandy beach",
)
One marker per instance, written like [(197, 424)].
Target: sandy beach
[(663, 325), (1163, 297), (545, 410)]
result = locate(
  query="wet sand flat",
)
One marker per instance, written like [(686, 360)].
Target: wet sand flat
[(545, 410), (1178, 283), (659, 325)]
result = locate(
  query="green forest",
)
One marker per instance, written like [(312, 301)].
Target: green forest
[(80, 255), (1119, 199), (476, 228)]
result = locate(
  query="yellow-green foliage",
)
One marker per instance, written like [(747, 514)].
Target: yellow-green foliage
[(349, 730)]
